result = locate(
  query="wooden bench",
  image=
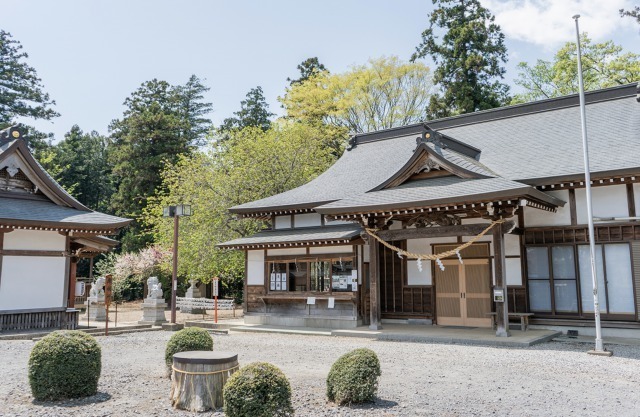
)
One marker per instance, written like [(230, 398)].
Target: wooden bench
[(524, 319), (204, 303)]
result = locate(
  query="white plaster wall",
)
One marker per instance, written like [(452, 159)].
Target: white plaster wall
[(289, 251), (307, 220), (511, 245), (415, 277), (34, 240), (283, 222), (513, 271), (331, 249), (636, 197), (255, 267), (30, 282), (608, 201), (534, 217)]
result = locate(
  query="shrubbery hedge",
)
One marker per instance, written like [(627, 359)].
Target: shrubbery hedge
[(354, 377), (189, 338), (258, 390), (65, 364)]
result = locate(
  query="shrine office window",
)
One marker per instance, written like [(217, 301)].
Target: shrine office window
[(559, 280)]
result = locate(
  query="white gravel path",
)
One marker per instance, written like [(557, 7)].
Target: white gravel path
[(418, 379)]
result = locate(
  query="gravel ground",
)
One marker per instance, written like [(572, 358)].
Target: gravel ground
[(418, 379)]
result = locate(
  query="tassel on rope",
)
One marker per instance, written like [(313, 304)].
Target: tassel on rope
[(440, 264), (400, 255), (419, 262), (459, 257)]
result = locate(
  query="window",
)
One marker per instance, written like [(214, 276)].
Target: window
[(557, 274), (323, 275)]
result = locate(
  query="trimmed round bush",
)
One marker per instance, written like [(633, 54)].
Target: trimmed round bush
[(353, 378), (257, 390), (189, 338), (65, 364)]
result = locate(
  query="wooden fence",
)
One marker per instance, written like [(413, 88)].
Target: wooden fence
[(56, 319)]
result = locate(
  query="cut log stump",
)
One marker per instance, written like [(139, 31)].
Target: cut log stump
[(198, 379)]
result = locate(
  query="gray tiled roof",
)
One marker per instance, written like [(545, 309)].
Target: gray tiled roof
[(549, 144), (527, 143), (45, 212), (358, 170), (311, 234), (436, 191)]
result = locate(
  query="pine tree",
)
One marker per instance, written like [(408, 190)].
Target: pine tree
[(161, 123), (254, 111), (21, 91), (308, 68), (468, 58)]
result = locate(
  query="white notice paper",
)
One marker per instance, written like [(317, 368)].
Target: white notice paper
[(332, 302), (311, 300), (354, 275)]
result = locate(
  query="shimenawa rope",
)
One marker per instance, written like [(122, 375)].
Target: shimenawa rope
[(180, 371), (432, 257)]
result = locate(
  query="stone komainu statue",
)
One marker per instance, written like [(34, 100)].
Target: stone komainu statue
[(155, 288), (97, 288)]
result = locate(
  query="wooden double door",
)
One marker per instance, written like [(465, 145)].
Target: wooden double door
[(463, 293)]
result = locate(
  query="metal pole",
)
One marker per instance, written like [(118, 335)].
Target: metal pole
[(587, 184), (174, 278)]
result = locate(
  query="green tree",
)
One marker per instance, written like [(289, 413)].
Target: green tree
[(250, 165), (157, 127), (254, 111), (603, 65), (634, 13), (21, 91), (382, 94), (308, 68), (86, 172), (469, 58), (194, 110)]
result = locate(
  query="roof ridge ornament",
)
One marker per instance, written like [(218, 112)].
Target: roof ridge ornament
[(638, 92), (12, 133), (353, 142)]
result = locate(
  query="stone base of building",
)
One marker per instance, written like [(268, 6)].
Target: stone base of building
[(303, 321), (153, 312)]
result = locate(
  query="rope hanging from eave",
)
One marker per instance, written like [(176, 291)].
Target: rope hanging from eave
[(432, 257)]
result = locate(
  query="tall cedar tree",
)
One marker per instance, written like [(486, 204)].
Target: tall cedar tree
[(161, 123), (21, 92), (469, 58), (85, 171), (308, 68), (254, 112)]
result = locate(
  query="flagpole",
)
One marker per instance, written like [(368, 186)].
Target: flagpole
[(599, 350)]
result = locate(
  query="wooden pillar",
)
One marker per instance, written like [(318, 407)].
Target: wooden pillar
[(502, 308), (71, 302), (374, 285)]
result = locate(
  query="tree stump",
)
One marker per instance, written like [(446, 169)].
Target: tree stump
[(198, 379)]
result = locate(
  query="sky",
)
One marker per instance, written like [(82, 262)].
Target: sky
[(91, 55)]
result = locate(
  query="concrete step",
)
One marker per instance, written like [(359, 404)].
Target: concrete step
[(94, 331), (211, 325)]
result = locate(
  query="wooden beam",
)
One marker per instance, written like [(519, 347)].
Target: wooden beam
[(572, 207), (374, 287), (442, 231), (502, 308)]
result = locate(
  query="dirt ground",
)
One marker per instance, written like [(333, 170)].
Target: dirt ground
[(418, 379)]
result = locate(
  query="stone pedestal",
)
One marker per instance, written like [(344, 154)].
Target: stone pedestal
[(96, 309), (153, 311), (192, 292)]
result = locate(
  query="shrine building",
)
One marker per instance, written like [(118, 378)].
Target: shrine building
[(44, 231), (380, 236)]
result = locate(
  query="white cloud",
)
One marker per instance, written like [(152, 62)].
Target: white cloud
[(549, 22)]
